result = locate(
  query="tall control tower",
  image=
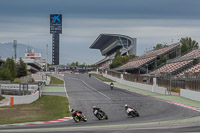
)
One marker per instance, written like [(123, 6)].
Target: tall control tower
[(15, 49), (55, 30)]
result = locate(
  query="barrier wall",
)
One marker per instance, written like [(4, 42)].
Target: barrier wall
[(193, 95), (23, 99), (151, 88)]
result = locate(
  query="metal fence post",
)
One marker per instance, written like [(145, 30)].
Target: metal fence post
[(0, 90)]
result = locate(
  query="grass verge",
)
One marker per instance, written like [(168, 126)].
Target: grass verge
[(55, 81), (44, 109), (102, 78), (1, 98)]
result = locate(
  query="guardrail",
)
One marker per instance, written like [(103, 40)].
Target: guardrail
[(151, 88), (26, 99), (18, 89)]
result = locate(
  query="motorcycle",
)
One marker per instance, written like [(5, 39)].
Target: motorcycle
[(100, 115), (132, 112), (80, 117), (111, 86)]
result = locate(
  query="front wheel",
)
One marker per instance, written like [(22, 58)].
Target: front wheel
[(85, 119), (76, 119), (106, 117)]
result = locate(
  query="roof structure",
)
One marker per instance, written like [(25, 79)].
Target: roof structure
[(108, 42)]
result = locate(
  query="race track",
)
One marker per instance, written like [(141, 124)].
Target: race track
[(84, 92)]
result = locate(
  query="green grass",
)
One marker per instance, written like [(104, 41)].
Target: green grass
[(46, 108), (1, 98), (102, 78), (55, 81)]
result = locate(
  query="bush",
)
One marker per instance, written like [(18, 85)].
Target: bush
[(175, 89), (17, 80), (33, 80)]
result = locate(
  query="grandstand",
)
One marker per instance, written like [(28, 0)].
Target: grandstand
[(189, 63), (109, 44), (150, 61)]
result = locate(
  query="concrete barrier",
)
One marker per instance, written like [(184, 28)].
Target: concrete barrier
[(13, 100), (193, 95), (151, 88)]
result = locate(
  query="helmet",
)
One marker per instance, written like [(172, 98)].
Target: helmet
[(126, 105), (94, 107), (72, 110)]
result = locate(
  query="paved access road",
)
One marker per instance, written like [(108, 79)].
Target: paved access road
[(84, 92)]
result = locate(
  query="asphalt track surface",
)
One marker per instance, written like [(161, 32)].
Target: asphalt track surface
[(84, 92)]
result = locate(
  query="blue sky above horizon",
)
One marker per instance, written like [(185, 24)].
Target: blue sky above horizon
[(150, 21)]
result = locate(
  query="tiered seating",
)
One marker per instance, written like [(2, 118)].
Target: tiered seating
[(192, 70), (169, 68), (146, 58), (137, 63), (161, 51), (191, 55)]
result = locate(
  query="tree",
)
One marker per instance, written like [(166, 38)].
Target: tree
[(159, 46), (21, 69), (10, 64), (5, 74), (188, 44), (120, 60)]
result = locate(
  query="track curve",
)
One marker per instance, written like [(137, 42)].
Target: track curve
[(84, 92)]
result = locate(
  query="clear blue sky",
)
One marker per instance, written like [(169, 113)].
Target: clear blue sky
[(150, 21)]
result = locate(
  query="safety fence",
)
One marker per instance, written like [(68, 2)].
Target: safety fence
[(191, 82)]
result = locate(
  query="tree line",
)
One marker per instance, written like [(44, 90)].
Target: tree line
[(10, 70)]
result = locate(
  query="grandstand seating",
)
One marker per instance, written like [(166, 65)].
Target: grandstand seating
[(194, 54), (192, 70), (137, 63), (172, 67), (148, 57), (183, 63), (160, 51)]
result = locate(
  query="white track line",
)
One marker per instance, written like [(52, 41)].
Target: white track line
[(95, 90), (91, 87)]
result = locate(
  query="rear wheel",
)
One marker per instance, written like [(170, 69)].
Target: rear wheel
[(132, 114), (99, 117)]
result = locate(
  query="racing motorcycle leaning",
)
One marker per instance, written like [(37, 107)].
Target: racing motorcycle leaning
[(99, 114), (79, 116), (131, 112)]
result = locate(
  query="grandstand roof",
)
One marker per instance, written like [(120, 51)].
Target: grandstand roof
[(148, 57), (102, 39)]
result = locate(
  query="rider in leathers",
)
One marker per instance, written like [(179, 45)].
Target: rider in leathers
[(74, 113), (96, 110)]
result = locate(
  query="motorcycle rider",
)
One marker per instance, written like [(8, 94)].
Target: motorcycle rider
[(75, 112), (111, 85), (128, 106), (127, 109), (96, 110)]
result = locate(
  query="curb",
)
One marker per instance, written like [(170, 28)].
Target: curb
[(39, 123), (167, 101)]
